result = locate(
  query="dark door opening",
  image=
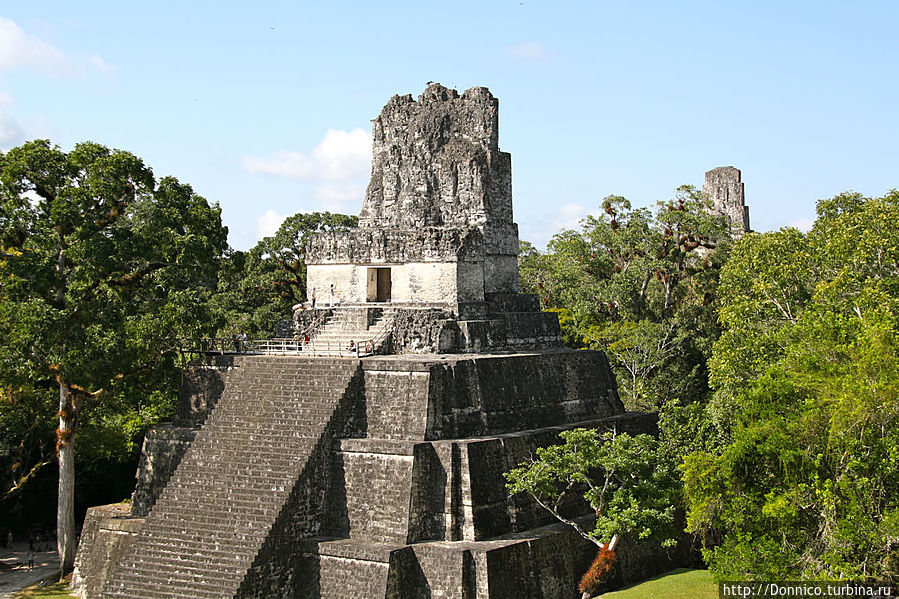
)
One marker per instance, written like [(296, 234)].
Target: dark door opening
[(378, 285)]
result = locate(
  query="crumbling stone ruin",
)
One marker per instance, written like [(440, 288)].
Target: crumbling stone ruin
[(435, 232), (724, 187), (329, 477)]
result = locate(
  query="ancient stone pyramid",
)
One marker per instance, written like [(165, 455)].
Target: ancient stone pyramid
[(317, 477)]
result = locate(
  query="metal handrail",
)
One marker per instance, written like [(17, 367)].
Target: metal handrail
[(383, 333), (210, 345), (284, 345)]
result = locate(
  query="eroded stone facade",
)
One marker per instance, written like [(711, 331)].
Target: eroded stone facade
[(436, 223), (723, 185)]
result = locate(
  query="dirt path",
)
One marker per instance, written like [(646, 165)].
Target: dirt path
[(16, 578)]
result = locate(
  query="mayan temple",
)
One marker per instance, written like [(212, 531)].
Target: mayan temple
[(724, 187), (377, 472)]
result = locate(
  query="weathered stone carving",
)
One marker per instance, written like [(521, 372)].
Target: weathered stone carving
[(437, 213), (724, 187), (436, 162)]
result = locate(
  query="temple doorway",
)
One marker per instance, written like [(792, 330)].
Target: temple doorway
[(378, 285)]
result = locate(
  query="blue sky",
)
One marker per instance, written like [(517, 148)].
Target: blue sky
[(266, 108)]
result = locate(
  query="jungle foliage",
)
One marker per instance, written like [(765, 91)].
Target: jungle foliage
[(808, 370), (774, 362), (641, 287)]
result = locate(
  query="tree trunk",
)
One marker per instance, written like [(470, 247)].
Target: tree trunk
[(611, 547), (65, 507)]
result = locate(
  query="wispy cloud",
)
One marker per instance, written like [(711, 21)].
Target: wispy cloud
[(540, 232), (20, 50), (528, 51), (569, 216), (345, 198), (339, 156), (11, 132), (269, 223)]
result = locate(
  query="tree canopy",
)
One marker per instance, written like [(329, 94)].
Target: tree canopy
[(642, 288), (808, 368), (102, 268)]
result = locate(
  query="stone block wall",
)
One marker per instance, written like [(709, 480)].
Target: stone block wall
[(202, 385), (501, 394), (164, 446), (463, 396), (378, 477), (410, 503), (106, 535)]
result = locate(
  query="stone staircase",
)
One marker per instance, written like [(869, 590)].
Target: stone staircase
[(240, 476), (334, 336)]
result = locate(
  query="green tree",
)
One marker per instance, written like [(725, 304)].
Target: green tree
[(809, 369), (102, 268), (630, 482), (642, 288), (259, 287)]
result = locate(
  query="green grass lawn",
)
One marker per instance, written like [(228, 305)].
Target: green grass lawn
[(57, 590), (676, 584)]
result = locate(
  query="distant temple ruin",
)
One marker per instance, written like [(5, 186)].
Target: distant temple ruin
[(724, 188), (319, 474)]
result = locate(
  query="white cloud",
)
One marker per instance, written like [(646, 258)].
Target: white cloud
[(268, 224), (345, 198), (529, 51), (803, 224), (20, 50), (11, 132), (101, 65), (540, 231), (340, 156)]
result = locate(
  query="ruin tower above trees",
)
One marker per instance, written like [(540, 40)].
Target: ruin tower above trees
[(724, 187)]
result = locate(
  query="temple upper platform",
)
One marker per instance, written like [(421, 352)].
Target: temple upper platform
[(436, 224)]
